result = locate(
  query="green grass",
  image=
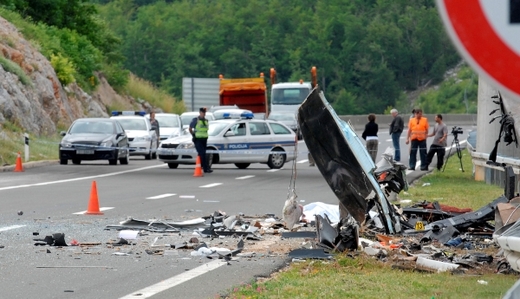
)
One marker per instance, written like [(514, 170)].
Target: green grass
[(361, 276), (12, 140), (144, 90)]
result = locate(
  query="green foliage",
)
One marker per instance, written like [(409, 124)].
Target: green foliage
[(116, 76), (14, 68), (64, 69), (367, 52), (456, 94)]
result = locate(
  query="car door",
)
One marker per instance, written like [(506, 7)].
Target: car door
[(236, 145), (260, 140), (121, 138)]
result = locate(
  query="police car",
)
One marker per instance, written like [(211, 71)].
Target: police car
[(240, 141), (142, 137)]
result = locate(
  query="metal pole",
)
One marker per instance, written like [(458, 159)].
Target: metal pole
[(26, 141)]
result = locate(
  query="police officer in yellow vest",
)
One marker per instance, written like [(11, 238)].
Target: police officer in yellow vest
[(199, 130)]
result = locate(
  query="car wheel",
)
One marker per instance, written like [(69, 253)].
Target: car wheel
[(76, 161), (63, 161), (173, 165), (242, 165), (124, 161), (276, 160), (148, 156), (154, 155)]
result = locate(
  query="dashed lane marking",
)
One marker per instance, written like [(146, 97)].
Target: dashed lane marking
[(100, 209), (161, 196), (245, 177), (3, 229), (211, 185)]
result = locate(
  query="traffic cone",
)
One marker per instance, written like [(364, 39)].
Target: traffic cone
[(18, 167), (198, 168), (93, 204)]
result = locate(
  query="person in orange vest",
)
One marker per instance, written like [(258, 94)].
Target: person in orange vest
[(417, 133)]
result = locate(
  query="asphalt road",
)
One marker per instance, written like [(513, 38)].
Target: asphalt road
[(52, 198)]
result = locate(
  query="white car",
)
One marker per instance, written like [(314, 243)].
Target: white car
[(142, 138), (169, 125), (187, 117), (238, 141)]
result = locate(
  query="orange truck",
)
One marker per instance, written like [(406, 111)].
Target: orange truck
[(246, 93)]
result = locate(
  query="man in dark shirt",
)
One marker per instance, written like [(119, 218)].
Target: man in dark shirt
[(396, 128)]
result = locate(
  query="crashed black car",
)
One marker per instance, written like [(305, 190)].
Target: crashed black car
[(94, 139)]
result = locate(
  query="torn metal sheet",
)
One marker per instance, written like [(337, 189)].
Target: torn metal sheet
[(345, 236), (342, 159), (508, 238), (156, 225), (305, 235), (513, 292), (309, 254), (467, 220)]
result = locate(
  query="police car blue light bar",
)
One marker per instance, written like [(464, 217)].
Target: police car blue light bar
[(247, 115), (140, 113)]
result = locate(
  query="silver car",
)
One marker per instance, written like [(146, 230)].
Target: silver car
[(238, 141)]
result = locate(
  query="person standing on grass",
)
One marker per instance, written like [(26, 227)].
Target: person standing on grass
[(440, 136), (370, 135), (417, 133), (396, 128)]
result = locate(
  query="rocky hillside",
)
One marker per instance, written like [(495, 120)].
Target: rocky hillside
[(42, 104)]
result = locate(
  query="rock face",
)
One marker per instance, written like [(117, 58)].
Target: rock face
[(42, 104)]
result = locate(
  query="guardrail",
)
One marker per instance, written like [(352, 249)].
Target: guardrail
[(384, 120)]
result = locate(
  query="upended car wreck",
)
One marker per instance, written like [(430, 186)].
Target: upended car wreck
[(364, 189)]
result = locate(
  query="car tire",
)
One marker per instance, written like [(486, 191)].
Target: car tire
[(148, 156), (76, 161), (173, 165), (154, 155), (63, 161), (124, 161), (242, 165), (276, 160)]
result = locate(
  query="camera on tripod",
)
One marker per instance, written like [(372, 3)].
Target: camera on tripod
[(456, 131)]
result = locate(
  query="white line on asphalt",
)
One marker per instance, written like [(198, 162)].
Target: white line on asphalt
[(245, 177), (82, 178), (302, 161), (211, 201), (161, 196), (211, 185), (273, 170), (174, 281), (100, 209), (186, 196), (3, 229)]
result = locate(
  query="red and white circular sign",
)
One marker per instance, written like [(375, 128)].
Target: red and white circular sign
[(487, 33)]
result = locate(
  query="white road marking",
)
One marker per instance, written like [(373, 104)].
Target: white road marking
[(302, 161), (245, 177), (3, 229), (161, 196), (211, 185), (273, 170), (82, 178), (174, 281), (186, 196), (100, 209), (211, 201)]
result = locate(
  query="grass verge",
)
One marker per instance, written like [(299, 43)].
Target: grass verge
[(40, 148), (360, 276)]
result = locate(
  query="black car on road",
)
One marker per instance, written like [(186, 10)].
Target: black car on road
[(94, 139)]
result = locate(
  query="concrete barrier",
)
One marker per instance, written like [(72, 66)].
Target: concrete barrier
[(384, 120)]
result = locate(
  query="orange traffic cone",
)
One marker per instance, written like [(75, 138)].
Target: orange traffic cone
[(198, 168), (18, 167), (93, 204)]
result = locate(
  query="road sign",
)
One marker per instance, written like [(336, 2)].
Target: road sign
[(487, 33)]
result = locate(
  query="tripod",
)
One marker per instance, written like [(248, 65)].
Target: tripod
[(459, 153)]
